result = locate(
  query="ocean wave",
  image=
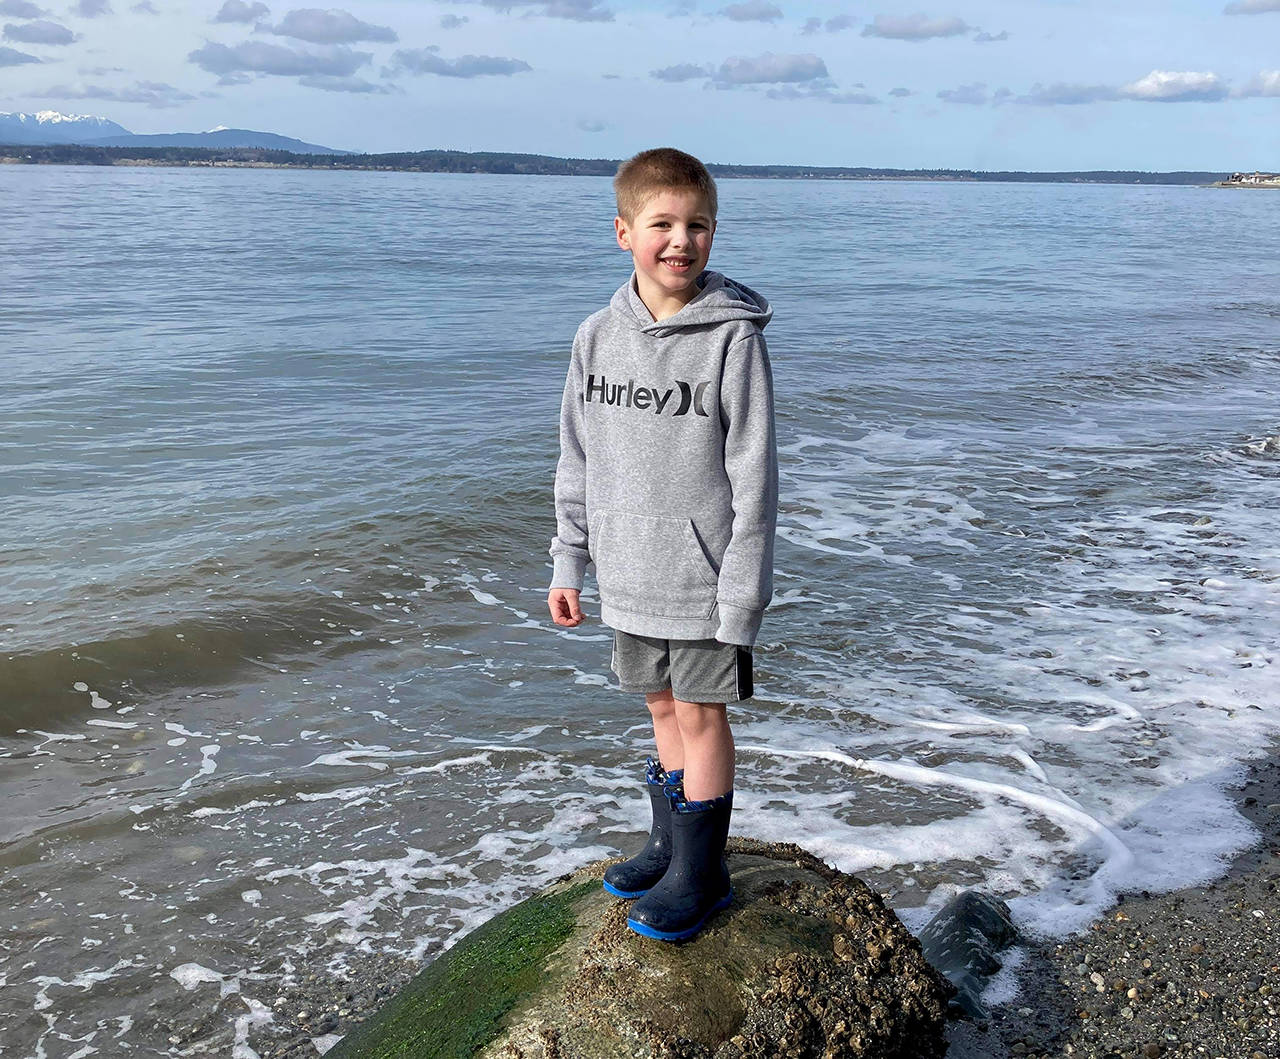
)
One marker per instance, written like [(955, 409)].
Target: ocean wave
[(64, 684)]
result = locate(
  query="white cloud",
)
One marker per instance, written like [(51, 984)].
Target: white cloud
[(914, 27), (356, 85), (40, 32), (832, 25), (1251, 7), (240, 11), (983, 37), (330, 27), (1266, 83), (21, 9), (1159, 86), (752, 11), (973, 94), (682, 72), (13, 57), (770, 69), (823, 92), (91, 8), (261, 58), (428, 61), (145, 7), (452, 21), (1068, 94), (782, 76), (578, 11), (1170, 86), (154, 94), (575, 10), (592, 125)]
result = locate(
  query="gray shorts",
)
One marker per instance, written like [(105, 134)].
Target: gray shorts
[(694, 670)]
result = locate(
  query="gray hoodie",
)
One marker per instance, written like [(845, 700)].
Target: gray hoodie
[(668, 470)]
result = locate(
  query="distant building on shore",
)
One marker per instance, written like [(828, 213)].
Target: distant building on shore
[(1253, 179)]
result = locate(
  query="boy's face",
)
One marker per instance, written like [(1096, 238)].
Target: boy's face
[(670, 242)]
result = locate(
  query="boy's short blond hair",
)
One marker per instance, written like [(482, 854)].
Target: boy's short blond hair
[(660, 169)]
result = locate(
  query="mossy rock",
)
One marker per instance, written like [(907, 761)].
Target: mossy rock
[(806, 962)]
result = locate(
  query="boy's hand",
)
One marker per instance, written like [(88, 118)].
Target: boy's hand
[(563, 603)]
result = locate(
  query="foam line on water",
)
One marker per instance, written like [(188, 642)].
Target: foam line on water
[(1118, 856)]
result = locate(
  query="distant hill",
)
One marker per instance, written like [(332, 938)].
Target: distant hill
[(498, 162), (48, 127), (214, 138)]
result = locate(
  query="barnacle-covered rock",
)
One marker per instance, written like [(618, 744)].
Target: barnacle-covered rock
[(806, 962)]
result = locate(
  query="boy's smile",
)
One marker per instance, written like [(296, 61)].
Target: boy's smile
[(670, 243)]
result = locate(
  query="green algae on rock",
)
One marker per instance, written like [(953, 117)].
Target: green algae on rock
[(807, 961), (454, 1007)]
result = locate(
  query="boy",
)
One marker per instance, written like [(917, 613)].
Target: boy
[(668, 481)]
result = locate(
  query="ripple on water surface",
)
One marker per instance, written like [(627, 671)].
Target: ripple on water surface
[(280, 694)]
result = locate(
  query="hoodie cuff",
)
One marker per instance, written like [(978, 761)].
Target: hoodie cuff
[(738, 625), (567, 570)]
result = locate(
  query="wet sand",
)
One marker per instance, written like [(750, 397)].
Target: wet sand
[(1191, 972)]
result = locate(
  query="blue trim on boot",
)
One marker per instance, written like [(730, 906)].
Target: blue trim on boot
[(627, 894), (681, 935), (680, 805), (696, 884)]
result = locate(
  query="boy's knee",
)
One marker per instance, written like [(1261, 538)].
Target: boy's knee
[(696, 717), (661, 704)]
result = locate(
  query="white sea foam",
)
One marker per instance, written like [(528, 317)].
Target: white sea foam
[(369, 756), (192, 975), (208, 764), (82, 980), (258, 1015)]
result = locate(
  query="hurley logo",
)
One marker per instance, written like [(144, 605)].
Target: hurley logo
[(633, 396)]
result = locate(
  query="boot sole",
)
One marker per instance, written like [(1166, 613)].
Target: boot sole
[(680, 935), (610, 888)]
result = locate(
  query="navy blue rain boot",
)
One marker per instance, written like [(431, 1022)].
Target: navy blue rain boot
[(634, 877), (696, 885)]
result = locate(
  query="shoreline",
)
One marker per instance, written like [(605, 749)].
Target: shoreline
[(1194, 971), (148, 163), (498, 163), (1211, 961)]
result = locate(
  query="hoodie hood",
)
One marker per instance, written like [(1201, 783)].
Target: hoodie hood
[(720, 300)]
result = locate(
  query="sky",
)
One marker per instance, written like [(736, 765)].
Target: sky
[(970, 84)]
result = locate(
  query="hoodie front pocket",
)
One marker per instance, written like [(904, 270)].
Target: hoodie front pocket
[(653, 564)]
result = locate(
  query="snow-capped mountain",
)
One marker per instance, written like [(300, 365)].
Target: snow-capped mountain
[(50, 126)]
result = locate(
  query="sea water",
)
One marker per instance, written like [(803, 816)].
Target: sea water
[(278, 687)]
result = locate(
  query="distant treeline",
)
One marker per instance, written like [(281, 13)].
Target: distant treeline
[(544, 165)]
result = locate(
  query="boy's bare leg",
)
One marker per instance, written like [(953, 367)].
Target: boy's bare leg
[(708, 749), (666, 732)]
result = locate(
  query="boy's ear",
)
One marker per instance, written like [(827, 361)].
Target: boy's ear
[(620, 230)]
